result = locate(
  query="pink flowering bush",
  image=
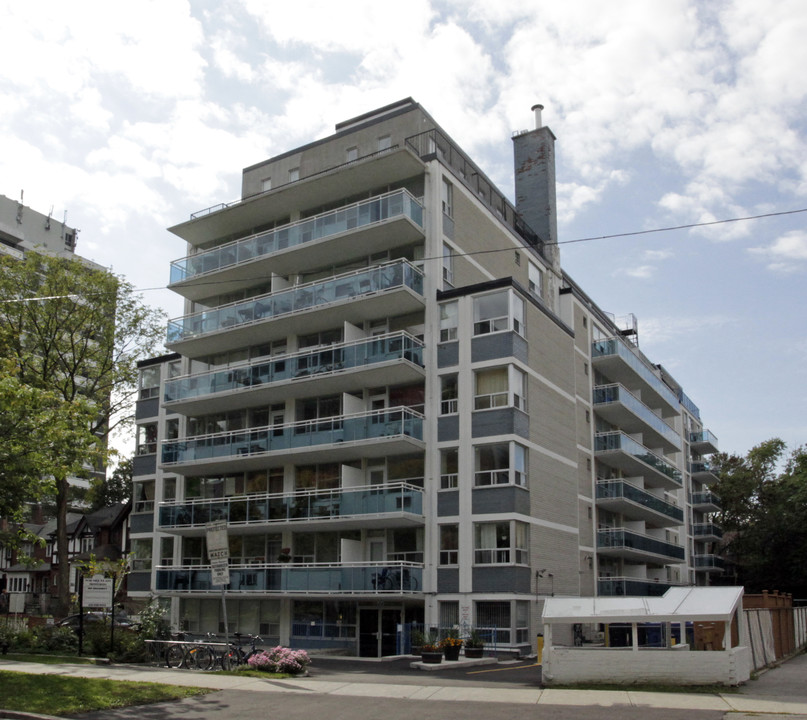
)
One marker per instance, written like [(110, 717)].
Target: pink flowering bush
[(280, 660)]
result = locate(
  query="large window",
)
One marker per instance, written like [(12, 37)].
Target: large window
[(448, 198), (448, 268), (143, 495), (501, 543), (498, 312), (448, 394), (449, 544), (448, 321), (449, 469), (500, 387), (141, 551), (536, 281), (494, 619), (147, 439), (149, 382), (500, 464)]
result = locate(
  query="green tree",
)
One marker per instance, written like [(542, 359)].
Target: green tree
[(764, 516), (77, 332), (117, 488)]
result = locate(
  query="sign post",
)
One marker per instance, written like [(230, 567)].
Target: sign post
[(218, 552)]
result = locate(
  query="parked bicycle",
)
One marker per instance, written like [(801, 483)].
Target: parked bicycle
[(388, 580), (194, 655), (236, 655)]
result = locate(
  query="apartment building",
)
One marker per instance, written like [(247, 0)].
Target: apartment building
[(403, 408)]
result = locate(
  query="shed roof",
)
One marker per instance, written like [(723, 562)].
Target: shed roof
[(703, 604)]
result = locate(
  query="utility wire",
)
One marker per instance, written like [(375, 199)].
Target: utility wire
[(476, 252)]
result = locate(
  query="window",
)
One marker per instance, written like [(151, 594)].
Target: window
[(448, 198), (497, 312), (294, 174), (172, 428), (149, 382), (449, 544), (448, 321), (448, 268), (500, 387), (384, 143), (500, 464), (166, 551), (448, 395), (144, 496), (147, 439), (266, 184), (141, 550), (536, 282), (501, 543), (449, 469), (169, 488), (352, 154)]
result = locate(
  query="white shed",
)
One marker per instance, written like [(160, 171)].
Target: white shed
[(677, 664)]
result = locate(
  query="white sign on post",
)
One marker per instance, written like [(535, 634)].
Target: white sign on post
[(97, 592), (218, 551)]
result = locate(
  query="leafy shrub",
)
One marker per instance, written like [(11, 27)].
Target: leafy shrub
[(55, 639), (280, 660)]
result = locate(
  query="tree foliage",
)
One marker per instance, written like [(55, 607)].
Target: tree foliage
[(76, 333), (117, 488), (764, 516)]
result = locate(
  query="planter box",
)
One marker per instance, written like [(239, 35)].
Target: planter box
[(432, 658), (474, 653)]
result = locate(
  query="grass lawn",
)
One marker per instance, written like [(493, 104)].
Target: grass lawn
[(57, 695)]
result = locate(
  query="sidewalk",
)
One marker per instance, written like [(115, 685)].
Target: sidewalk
[(781, 690)]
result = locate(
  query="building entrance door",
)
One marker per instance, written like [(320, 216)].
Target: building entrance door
[(378, 631)]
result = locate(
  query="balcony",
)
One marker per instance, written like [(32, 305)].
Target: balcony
[(393, 505), (708, 563), (618, 450), (707, 531), (622, 409), (391, 359), (320, 188), (290, 579), (705, 501), (703, 442), (614, 359), (622, 497), (392, 288), (703, 472), (619, 586), (375, 225), (344, 437), (619, 542)]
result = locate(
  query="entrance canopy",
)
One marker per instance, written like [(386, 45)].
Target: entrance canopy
[(678, 604)]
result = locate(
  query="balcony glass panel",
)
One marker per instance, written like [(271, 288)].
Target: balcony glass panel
[(705, 498), (703, 436), (619, 441), (315, 505), (611, 587), (615, 393), (341, 288), (706, 530), (613, 346), (348, 218), (399, 346), (620, 489), (697, 468), (331, 579), (621, 538), (394, 422), (709, 562)]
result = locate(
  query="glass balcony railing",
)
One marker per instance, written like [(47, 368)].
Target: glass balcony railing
[(702, 468), (393, 498), (340, 288), (615, 347), (390, 423), (325, 578), (370, 351), (612, 587), (620, 538), (378, 209), (705, 498), (708, 562), (706, 530), (610, 441), (621, 489), (615, 393), (703, 437)]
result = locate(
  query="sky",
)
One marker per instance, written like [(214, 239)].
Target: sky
[(128, 117)]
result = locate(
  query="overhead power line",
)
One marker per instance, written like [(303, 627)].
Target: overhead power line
[(633, 233)]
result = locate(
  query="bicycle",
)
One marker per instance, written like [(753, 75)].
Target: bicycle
[(235, 654), (190, 655), (388, 580)]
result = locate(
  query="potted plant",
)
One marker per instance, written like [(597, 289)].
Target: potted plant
[(474, 645), (451, 645), (418, 639), (430, 651)]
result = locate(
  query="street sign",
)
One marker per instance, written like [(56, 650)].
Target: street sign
[(218, 551), (97, 592)]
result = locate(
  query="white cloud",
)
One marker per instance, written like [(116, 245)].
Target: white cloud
[(787, 254)]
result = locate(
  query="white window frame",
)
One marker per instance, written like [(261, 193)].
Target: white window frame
[(512, 319), (513, 395), (536, 281), (449, 320), (504, 542), (515, 473)]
